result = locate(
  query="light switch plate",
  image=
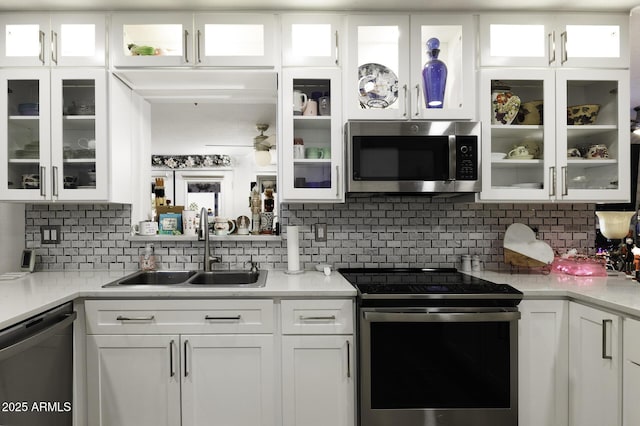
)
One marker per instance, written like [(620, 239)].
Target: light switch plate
[(50, 234), (321, 232)]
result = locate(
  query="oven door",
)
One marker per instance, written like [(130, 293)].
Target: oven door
[(436, 367)]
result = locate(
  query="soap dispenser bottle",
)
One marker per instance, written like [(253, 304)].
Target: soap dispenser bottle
[(148, 260)]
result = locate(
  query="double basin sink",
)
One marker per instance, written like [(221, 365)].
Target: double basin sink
[(193, 279)]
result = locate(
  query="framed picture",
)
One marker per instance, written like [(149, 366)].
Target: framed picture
[(170, 223)]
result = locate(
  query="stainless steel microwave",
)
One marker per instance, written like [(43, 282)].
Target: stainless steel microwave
[(413, 156)]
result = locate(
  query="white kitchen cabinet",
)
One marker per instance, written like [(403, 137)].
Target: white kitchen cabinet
[(543, 363), (311, 148), (386, 57), (190, 362), (565, 40), (631, 372), (311, 40), (55, 134), (595, 355), (59, 39), (548, 174), (318, 362), (164, 39)]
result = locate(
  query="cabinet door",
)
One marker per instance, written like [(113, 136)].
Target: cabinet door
[(603, 176), (377, 71), (311, 40), (151, 39), (631, 373), (318, 378), (25, 135), (228, 380), (515, 177), (455, 34), (224, 39), (543, 363), (24, 40), (133, 380), (79, 135), (311, 146), (78, 39), (594, 367)]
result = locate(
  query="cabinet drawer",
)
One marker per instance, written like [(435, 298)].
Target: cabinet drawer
[(631, 340), (179, 316), (317, 316)]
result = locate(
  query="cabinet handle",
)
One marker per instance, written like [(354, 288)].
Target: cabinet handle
[(551, 44), (43, 174), (327, 318), (563, 46), (348, 359), (338, 182), (184, 41), (337, 50), (404, 91), (121, 318), (605, 354), (172, 370), (54, 47), (634, 363), (41, 39), (198, 36), (552, 181), (417, 100), (234, 318), (565, 181), (54, 182), (186, 364)]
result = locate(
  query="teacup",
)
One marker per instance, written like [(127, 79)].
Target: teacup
[(574, 153), (518, 151), (598, 151)]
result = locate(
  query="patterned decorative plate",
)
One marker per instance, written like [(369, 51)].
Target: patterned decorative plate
[(377, 86)]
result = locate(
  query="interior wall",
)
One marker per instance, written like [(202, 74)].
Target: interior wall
[(12, 230)]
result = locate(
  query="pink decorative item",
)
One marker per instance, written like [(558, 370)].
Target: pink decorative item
[(582, 267)]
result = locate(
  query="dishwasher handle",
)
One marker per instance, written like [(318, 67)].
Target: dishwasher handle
[(30, 341), (441, 316)]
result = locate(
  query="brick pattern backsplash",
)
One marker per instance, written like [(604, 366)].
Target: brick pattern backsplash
[(366, 231)]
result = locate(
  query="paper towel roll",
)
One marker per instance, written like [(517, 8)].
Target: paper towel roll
[(293, 249)]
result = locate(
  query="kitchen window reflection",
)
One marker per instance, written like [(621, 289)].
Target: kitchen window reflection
[(204, 194)]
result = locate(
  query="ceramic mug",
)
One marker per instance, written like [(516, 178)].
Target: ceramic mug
[(573, 153), (598, 151), (518, 151), (190, 222), (146, 227), (299, 102), (311, 108), (326, 152), (223, 226), (313, 152)]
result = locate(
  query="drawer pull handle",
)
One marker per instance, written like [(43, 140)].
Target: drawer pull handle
[(235, 318), (606, 341), (348, 359), (149, 318), (328, 318), (172, 370)]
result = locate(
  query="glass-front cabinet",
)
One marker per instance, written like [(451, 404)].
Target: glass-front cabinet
[(559, 40), (187, 40), (69, 39), (419, 67), (555, 135), (53, 132), (311, 146), (311, 40)]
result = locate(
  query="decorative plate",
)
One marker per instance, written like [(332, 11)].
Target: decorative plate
[(377, 86)]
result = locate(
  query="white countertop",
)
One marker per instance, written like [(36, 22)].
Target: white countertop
[(24, 297)]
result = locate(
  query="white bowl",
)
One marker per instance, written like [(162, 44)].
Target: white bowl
[(498, 155)]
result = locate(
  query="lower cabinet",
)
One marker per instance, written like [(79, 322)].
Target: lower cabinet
[(543, 368), (595, 368), (631, 373)]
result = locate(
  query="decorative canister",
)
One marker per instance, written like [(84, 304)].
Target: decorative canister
[(266, 222), (504, 104)]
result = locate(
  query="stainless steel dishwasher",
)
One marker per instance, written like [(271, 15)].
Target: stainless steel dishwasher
[(36, 370)]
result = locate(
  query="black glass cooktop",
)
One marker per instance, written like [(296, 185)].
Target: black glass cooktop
[(435, 283)]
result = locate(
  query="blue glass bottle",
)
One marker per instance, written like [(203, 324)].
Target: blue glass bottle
[(434, 76)]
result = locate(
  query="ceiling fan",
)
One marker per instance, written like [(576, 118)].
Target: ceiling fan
[(263, 144)]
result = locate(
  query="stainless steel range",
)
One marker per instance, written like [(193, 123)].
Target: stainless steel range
[(436, 348)]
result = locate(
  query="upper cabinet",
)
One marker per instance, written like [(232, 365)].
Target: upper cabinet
[(187, 40), (62, 39), (419, 67), (556, 40), (312, 40)]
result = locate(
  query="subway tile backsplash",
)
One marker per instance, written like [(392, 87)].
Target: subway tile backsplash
[(366, 231)]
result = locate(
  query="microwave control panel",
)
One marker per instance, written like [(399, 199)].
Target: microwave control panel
[(466, 158)]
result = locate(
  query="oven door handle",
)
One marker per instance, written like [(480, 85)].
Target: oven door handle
[(441, 316)]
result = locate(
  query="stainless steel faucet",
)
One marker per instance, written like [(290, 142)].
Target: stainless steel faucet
[(204, 235)]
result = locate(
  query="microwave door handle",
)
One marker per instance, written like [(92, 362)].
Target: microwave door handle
[(452, 157)]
